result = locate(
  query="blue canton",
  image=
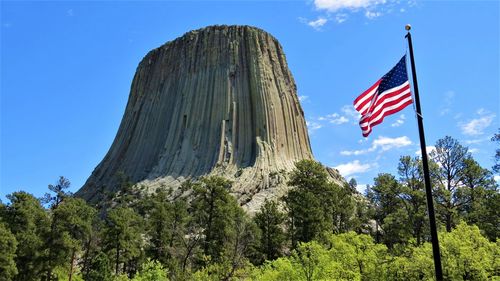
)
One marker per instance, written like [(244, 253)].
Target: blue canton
[(395, 77)]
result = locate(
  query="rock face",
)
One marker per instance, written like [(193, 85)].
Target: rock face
[(219, 100)]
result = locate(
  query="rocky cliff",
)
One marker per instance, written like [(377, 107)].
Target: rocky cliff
[(218, 100)]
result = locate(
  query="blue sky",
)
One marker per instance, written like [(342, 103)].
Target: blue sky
[(66, 70)]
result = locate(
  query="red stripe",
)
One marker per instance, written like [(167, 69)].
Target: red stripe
[(364, 94), (388, 95), (388, 104), (387, 113), (392, 111)]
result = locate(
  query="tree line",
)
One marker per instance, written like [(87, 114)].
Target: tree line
[(318, 231)]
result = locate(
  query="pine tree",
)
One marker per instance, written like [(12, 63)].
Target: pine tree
[(390, 212), (413, 195), (450, 158), (99, 269), (28, 221), (122, 237), (8, 246), (74, 225), (316, 206), (270, 220)]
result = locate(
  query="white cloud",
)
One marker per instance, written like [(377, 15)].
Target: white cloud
[(340, 18), (429, 149), (381, 144), (449, 96), (354, 167), (477, 126), (473, 150), (351, 113), (386, 143), (335, 118), (496, 178), (337, 5), (317, 24), (361, 188), (303, 98), (70, 13), (313, 126), (476, 141), (400, 121), (371, 15)]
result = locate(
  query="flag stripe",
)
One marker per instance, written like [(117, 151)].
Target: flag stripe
[(385, 112), (368, 131), (362, 103), (388, 95), (388, 98), (380, 114)]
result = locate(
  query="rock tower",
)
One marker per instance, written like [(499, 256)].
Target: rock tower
[(218, 100)]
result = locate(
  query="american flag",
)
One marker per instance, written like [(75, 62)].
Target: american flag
[(388, 95)]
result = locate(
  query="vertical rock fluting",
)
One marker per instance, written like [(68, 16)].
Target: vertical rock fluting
[(219, 100)]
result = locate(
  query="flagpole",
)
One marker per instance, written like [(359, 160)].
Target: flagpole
[(425, 164)]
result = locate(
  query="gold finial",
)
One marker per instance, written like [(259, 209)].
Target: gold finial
[(408, 27)]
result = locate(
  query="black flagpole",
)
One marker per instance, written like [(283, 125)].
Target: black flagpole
[(425, 164)]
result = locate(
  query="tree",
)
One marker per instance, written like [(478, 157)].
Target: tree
[(478, 182), (229, 235), (99, 269), (211, 208), (413, 194), (270, 221), (315, 205), (465, 255), (56, 253), (151, 271), (496, 166), (122, 237), (450, 158), (28, 221), (390, 212), (8, 246), (167, 223), (74, 224), (59, 190)]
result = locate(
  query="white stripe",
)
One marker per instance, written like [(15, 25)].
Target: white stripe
[(387, 92), (380, 106), (367, 106), (368, 95), (381, 113), (365, 124), (379, 96)]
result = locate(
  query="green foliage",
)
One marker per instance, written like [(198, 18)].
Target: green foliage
[(8, 246), (347, 256), (413, 195), (151, 271), (212, 207), (390, 211), (465, 255), (316, 206), (59, 192), (270, 221), (100, 269), (122, 237), (28, 221), (449, 157), (72, 224), (199, 232), (166, 224), (496, 166), (359, 254)]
